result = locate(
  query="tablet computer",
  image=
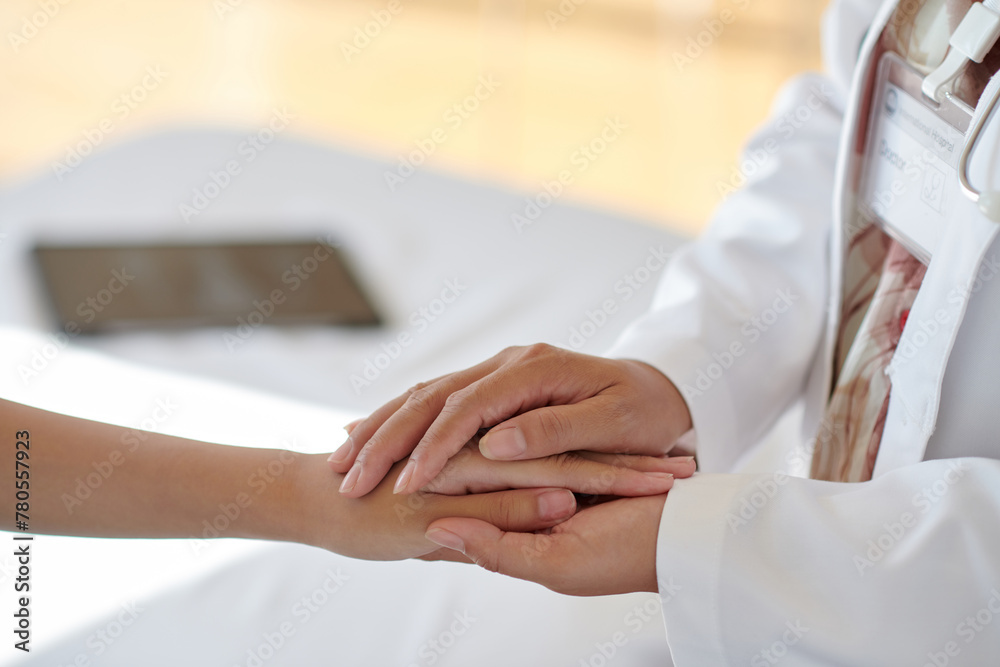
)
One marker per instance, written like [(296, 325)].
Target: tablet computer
[(110, 288)]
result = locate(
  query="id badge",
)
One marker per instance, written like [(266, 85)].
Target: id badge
[(909, 178)]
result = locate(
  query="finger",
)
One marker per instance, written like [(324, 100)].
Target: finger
[(360, 431), (679, 466), (400, 431), (518, 510), (570, 471), (581, 475), (343, 458), (538, 378), (595, 424), (527, 556)]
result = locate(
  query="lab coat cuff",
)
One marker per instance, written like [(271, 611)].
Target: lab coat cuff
[(689, 566), (701, 379)]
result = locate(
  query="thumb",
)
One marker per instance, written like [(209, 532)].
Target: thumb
[(520, 555)]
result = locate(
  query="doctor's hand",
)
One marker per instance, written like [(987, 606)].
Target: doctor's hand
[(535, 401), (602, 550)]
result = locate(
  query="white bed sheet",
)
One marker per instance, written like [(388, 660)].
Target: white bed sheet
[(210, 608)]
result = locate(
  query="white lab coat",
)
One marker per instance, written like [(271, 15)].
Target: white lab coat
[(768, 569)]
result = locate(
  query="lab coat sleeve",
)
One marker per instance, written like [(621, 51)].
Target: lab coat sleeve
[(739, 314), (902, 570)]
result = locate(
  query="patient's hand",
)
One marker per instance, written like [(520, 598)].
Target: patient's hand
[(386, 526), (536, 401)]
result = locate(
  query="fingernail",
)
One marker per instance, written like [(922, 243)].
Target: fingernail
[(555, 505), (353, 425), (661, 475), (352, 479), (404, 477), (445, 539), (507, 443), (341, 453), (684, 459)]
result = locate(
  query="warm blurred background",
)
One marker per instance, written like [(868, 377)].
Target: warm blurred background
[(564, 69)]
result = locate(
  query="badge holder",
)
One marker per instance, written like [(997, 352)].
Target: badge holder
[(918, 140), (909, 178)]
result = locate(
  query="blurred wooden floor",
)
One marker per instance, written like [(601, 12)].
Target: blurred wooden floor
[(563, 69)]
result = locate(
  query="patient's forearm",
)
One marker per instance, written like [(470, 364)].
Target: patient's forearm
[(89, 478), (92, 479)]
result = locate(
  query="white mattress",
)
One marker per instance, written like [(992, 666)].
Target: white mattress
[(212, 607)]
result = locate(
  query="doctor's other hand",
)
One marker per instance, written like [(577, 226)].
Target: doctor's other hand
[(602, 550), (535, 401)]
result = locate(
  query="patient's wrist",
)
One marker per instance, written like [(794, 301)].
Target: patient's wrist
[(288, 503)]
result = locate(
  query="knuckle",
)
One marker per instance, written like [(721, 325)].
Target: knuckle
[(568, 463), (417, 387), (421, 400), (555, 427), (538, 350), (503, 514), (457, 401), (510, 351)]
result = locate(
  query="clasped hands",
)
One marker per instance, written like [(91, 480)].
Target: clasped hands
[(553, 423)]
